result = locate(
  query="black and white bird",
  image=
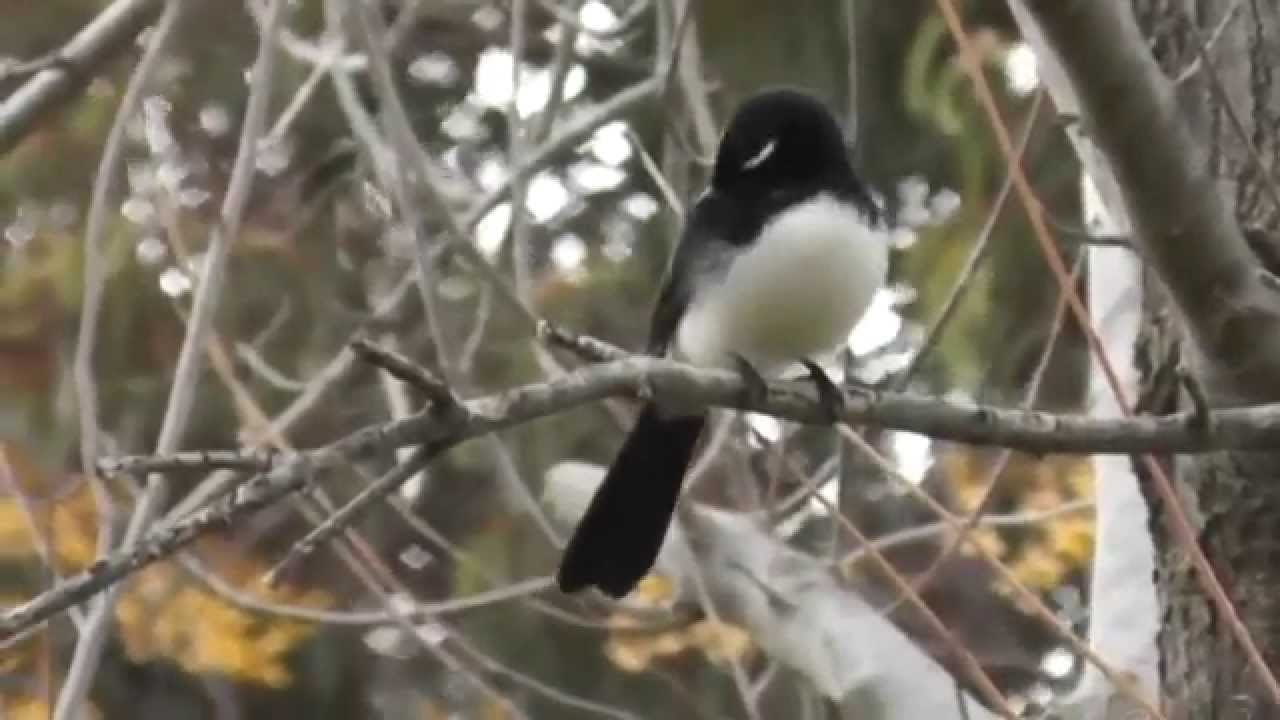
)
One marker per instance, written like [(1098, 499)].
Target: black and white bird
[(779, 259)]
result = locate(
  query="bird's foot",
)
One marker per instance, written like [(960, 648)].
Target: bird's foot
[(756, 388), (830, 396)]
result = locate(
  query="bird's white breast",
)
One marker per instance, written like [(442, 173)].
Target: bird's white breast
[(797, 292)]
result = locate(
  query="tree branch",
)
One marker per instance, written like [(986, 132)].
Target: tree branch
[(1235, 428), (1182, 223), (72, 66)]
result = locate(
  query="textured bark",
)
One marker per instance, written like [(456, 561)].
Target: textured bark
[(1232, 497), (1192, 140)]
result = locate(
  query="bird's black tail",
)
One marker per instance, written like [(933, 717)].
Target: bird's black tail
[(622, 531)]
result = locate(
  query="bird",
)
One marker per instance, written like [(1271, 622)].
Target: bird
[(778, 260)]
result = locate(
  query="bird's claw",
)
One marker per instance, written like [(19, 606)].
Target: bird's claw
[(756, 388), (830, 397)]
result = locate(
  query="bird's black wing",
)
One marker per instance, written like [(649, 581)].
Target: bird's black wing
[(672, 302), (700, 252)]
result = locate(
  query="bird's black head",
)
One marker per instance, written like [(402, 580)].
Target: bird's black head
[(777, 139)]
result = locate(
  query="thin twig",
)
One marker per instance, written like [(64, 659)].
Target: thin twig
[(584, 346), (519, 231), (554, 694), (300, 97), (317, 388), (342, 519), (569, 136), (407, 371), (655, 174), (265, 371), (519, 488), (10, 484), (471, 345), (693, 86), (465, 559), (419, 612), (1208, 45), (84, 660), (978, 253), (560, 66), (247, 460), (924, 532)]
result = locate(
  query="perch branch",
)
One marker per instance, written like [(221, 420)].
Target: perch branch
[(1255, 427)]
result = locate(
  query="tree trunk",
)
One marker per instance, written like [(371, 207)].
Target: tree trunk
[(1231, 498), (1179, 96)]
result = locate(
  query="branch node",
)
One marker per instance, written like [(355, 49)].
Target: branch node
[(407, 371), (584, 346)]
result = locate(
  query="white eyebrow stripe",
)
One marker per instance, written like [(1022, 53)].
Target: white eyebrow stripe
[(761, 156)]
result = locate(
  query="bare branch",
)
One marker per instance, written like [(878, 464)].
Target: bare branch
[(407, 371), (584, 346), (317, 388), (1239, 428), (343, 518), (977, 254), (1181, 220), (569, 136), (70, 68), (552, 693), (250, 460), (419, 612)]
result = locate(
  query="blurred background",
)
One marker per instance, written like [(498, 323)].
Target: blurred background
[(324, 255)]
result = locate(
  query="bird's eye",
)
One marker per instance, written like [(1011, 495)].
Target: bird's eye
[(756, 160)]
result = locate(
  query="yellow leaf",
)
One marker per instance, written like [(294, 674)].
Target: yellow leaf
[(654, 591), (494, 710), (67, 522), (721, 642), (1039, 568), (668, 643), (1072, 538), (1042, 498), (629, 656), (25, 707), (163, 613), (986, 538), (1079, 479)]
